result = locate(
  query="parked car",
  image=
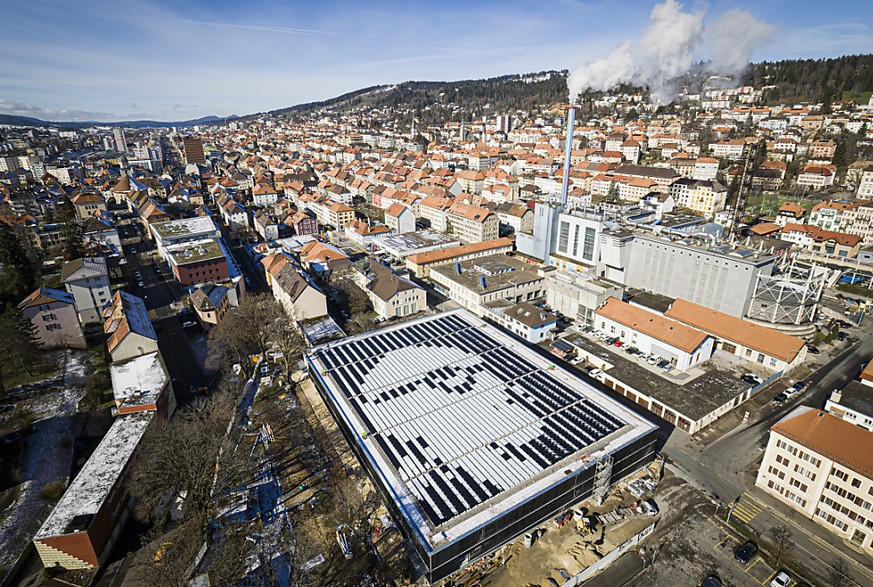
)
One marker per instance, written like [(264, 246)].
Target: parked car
[(711, 581), (751, 378), (745, 552), (631, 350), (596, 374), (188, 324), (782, 579), (611, 340), (663, 364), (842, 335), (841, 297), (653, 359), (617, 343), (780, 399), (844, 324), (813, 350)]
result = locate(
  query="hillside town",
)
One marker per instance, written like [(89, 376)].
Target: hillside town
[(339, 346)]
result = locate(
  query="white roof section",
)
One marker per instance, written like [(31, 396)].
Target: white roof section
[(86, 494), (463, 422), (185, 229), (411, 243), (138, 381)]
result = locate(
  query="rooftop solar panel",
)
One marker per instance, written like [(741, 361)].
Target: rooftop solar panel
[(461, 413)]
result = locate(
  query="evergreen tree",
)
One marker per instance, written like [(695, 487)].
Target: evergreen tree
[(74, 241), (17, 278), (18, 345)]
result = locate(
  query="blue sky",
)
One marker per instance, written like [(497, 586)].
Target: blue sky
[(95, 59)]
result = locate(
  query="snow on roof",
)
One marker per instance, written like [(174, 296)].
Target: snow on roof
[(139, 381), (184, 227), (95, 481)]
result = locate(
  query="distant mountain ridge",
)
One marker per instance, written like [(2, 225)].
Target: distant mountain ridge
[(29, 121)]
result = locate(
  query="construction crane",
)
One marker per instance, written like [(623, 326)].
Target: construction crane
[(744, 186)]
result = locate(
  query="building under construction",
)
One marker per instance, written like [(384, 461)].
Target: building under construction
[(472, 437)]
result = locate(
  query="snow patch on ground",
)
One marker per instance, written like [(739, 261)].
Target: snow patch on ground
[(47, 457)]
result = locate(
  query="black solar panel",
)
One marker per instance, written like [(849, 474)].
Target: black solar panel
[(396, 396)]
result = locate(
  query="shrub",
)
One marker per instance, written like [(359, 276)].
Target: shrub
[(53, 490)]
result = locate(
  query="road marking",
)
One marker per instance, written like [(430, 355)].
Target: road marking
[(766, 581), (719, 543), (755, 562)]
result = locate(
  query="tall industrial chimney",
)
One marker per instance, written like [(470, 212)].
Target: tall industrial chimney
[(568, 151)]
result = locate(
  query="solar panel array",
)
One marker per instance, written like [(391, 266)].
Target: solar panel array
[(461, 416)]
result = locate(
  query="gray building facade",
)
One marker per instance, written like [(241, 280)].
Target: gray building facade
[(716, 277)]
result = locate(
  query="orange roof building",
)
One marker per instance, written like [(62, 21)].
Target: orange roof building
[(678, 343), (754, 342), (822, 466)]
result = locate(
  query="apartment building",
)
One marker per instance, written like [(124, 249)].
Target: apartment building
[(702, 197), (820, 466), (471, 224)]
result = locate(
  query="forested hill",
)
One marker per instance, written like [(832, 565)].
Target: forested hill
[(814, 80), (503, 94)]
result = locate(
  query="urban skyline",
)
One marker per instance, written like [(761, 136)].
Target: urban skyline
[(156, 60)]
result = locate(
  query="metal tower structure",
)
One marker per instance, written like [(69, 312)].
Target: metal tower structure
[(602, 478)]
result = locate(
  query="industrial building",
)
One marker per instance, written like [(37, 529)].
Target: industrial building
[(472, 437), (721, 278)]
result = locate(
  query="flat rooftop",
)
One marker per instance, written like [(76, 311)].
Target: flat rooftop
[(138, 381), (461, 422), (86, 494), (859, 397), (491, 273), (195, 251), (718, 384), (184, 227), (415, 242)]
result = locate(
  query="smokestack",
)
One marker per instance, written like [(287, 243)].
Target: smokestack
[(568, 151)]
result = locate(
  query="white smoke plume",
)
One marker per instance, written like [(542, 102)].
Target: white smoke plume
[(668, 47), (734, 36)]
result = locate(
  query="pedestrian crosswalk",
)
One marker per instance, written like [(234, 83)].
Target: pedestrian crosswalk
[(747, 508)]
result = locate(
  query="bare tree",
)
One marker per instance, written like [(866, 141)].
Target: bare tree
[(356, 299), (257, 323), (167, 558), (781, 540), (180, 455), (839, 573)]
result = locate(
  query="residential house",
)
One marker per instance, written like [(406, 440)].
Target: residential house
[(55, 321), (210, 303), (128, 328), (292, 288), (399, 218), (87, 279), (390, 295)]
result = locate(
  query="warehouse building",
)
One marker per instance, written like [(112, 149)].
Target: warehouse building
[(472, 437)]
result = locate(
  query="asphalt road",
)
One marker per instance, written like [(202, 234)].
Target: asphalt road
[(725, 467), (159, 291)]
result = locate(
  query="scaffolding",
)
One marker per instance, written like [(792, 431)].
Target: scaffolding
[(789, 298), (602, 478)]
